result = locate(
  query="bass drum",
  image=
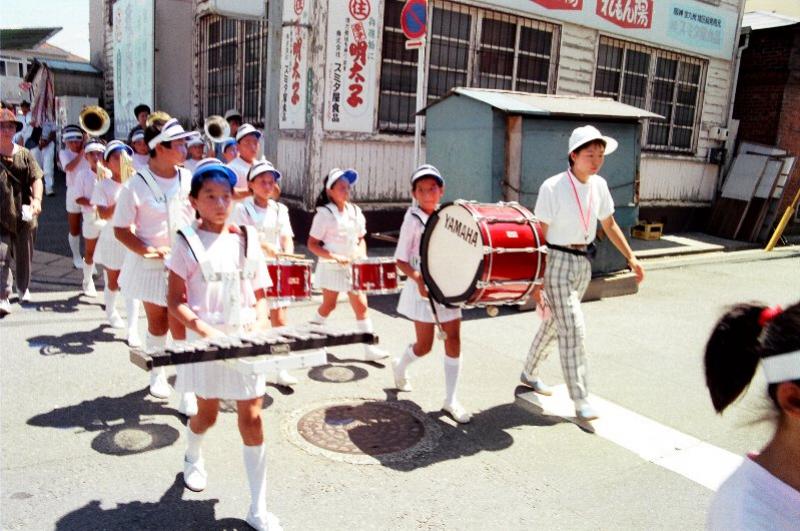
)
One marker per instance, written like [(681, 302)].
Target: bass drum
[(482, 254)]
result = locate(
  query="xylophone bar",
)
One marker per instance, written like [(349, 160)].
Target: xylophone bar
[(248, 345)]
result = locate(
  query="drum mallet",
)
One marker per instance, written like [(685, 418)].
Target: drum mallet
[(441, 334)]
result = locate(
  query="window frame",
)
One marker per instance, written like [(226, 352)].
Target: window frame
[(651, 77)]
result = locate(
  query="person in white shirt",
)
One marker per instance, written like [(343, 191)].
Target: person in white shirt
[(568, 207), (427, 187), (764, 492), (92, 223), (196, 151), (141, 154), (73, 162), (156, 204), (27, 128), (229, 150), (234, 119), (337, 238), (44, 153), (247, 142)]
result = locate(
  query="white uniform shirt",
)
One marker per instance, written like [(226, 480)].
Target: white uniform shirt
[(106, 192), (272, 223), (190, 164), (140, 161), (138, 205), (65, 156), (752, 498), (240, 167), (83, 186), (44, 158), (340, 232), (408, 243), (226, 253), (557, 206)]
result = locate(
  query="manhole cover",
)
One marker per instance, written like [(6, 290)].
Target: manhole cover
[(338, 374), (363, 431)]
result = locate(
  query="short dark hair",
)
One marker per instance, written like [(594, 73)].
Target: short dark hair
[(142, 107), (439, 183), (213, 175), (595, 142), (25, 103)]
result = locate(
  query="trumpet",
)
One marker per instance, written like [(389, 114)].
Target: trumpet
[(94, 120), (217, 128)]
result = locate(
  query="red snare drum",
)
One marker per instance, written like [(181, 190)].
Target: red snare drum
[(291, 279), (374, 276), (479, 254)]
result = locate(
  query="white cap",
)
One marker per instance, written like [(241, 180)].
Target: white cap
[(232, 113), (427, 170), (336, 174), (246, 129), (587, 133), (94, 145), (172, 130), (116, 145), (195, 140), (262, 166), (137, 135), (71, 132)]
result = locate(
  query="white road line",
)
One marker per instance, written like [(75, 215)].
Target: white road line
[(683, 454)]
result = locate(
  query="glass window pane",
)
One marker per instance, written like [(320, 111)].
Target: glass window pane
[(682, 137), (449, 54), (684, 115), (538, 88), (658, 134), (689, 73), (687, 95), (451, 24), (607, 83), (496, 62), (638, 62), (533, 68), (666, 68), (498, 33), (609, 56), (400, 78), (535, 40)]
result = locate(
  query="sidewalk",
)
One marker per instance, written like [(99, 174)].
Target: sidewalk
[(685, 244)]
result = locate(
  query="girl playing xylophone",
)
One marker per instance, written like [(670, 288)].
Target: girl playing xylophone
[(337, 238), (110, 253), (83, 187), (427, 187), (155, 202), (217, 286), (764, 492), (271, 220)]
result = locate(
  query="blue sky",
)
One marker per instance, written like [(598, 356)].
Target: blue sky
[(72, 15)]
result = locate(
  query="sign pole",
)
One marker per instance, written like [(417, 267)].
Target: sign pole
[(419, 106), (414, 23)]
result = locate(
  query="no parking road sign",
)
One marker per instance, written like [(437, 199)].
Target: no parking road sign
[(414, 19)]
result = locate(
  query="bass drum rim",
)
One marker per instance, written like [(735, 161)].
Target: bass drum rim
[(456, 301)]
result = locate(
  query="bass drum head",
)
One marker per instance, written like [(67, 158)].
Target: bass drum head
[(451, 253)]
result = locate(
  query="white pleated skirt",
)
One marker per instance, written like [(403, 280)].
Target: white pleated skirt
[(144, 279), (414, 307), (333, 276), (110, 252), (218, 379)]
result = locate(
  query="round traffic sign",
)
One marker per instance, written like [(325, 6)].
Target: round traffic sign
[(413, 19)]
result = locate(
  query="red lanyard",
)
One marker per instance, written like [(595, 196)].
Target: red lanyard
[(585, 218)]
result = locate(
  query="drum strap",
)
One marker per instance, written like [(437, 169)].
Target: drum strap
[(199, 252)]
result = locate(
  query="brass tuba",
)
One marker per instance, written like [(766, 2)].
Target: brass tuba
[(94, 120), (217, 128)]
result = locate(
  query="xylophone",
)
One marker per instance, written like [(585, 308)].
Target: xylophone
[(273, 349)]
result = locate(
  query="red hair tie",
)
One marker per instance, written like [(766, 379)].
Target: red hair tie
[(768, 314)]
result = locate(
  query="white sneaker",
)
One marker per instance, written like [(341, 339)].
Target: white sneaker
[(5, 307), (134, 341), (401, 382), (269, 522), (159, 386), (195, 476), (584, 410), (88, 288), (536, 384), (188, 404), (24, 297), (456, 411), (115, 320), (373, 353), (286, 379), (77, 261)]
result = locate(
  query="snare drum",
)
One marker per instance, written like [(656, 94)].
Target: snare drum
[(291, 279), (480, 254), (374, 276)]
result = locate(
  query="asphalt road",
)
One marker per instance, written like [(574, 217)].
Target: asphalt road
[(83, 447)]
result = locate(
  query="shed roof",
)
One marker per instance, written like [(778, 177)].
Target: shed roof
[(25, 38), (549, 104), (758, 20), (71, 66)]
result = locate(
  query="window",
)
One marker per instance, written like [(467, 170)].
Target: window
[(2, 68), (468, 47), (232, 67), (666, 83)]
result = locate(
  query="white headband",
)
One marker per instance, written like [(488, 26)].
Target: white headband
[(782, 368), (172, 130)]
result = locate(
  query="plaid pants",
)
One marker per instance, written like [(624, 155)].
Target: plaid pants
[(566, 278)]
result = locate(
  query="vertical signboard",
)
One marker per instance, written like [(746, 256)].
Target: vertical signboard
[(134, 23), (351, 65), (294, 64)]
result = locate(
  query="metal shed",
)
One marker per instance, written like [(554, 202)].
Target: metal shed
[(495, 145)]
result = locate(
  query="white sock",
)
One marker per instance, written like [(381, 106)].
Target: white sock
[(318, 319), (87, 273), (255, 464), (132, 313), (110, 298), (365, 325), (75, 245), (452, 367), (193, 441), (152, 342), (407, 358)]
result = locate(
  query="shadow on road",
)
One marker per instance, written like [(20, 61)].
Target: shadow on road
[(68, 305), (74, 343), (169, 512)]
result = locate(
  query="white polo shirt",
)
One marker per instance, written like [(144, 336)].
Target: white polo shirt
[(558, 208), (240, 168)]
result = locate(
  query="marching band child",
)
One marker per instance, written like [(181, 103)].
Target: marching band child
[(73, 162), (141, 155), (83, 188), (229, 150), (155, 202), (271, 220), (217, 286), (248, 140), (427, 187), (196, 148), (337, 238), (110, 253)]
